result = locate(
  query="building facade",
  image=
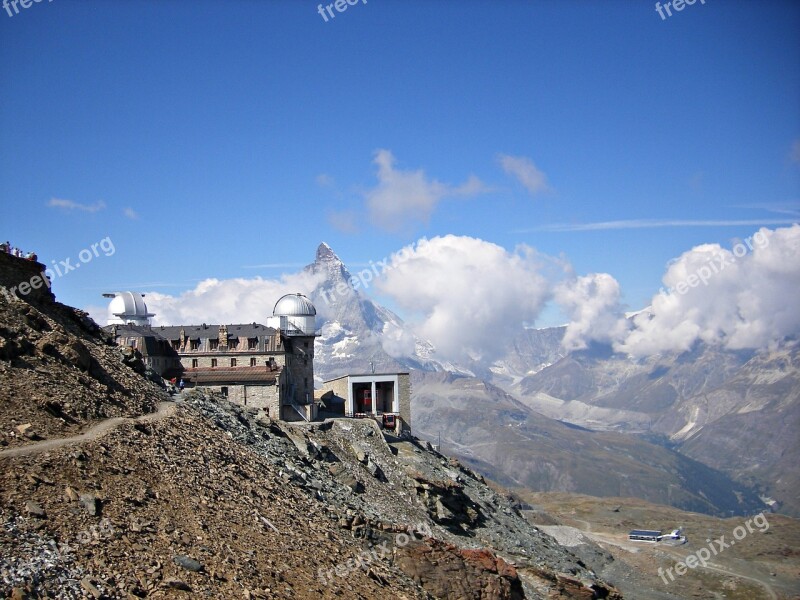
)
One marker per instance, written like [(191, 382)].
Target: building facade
[(270, 368)]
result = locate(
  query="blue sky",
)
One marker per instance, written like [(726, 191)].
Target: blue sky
[(207, 137)]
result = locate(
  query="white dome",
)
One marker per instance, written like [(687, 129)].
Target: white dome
[(128, 308), (294, 305)]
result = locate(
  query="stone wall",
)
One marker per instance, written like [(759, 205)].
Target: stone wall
[(338, 387), (224, 359), (264, 397), (404, 395), (300, 362)]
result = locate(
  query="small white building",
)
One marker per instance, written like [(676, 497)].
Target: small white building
[(382, 396)]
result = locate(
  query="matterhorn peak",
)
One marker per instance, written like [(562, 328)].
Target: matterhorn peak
[(326, 254)]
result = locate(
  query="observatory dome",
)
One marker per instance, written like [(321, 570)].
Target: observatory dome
[(128, 308), (294, 305), (293, 315)]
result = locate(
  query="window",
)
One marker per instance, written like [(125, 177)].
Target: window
[(305, 344), (233, 343), (233, 362), (224, 391), (176, 344), (252, 362), (213, 344), (194, 344), (194, 363), (252, 343), (213, 362)]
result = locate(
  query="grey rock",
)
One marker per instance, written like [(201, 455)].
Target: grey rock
[(188, 563)]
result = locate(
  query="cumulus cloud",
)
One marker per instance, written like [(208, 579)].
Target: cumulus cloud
[(527, 173), (469, 295), (739, 298), (592, 303), (402, 197), (227, 301), (396, 341), (72, 205)]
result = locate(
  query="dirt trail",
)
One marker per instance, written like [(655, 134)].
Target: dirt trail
[(165, 409)]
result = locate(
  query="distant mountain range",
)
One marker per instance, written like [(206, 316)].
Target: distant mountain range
[(706, 430)]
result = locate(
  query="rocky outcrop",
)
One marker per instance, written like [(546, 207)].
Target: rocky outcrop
[(58, 372), (447, 572)]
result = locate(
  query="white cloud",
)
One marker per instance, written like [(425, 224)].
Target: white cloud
[(592, 302), (402, 197), (72, 205), (227, 301), (527, 173), (396, 341), (470, 296), (738, 298), (130, 213)]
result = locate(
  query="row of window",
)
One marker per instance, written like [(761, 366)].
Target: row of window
[(233, 344), (214, 362)]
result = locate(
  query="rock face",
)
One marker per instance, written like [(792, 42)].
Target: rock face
[(447, 572), (58, 372)]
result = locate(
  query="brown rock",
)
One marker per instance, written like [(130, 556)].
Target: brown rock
[(35, 509)]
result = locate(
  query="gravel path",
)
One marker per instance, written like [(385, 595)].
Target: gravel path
[(165, 409)]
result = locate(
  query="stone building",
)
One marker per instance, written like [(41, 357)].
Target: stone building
[(268, 367)]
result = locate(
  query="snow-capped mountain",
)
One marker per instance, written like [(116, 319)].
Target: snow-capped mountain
[(356, 334)]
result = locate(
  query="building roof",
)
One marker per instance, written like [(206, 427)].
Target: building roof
[(248, 330), (645, 532), (231, 375), (366, 375), (294, 305), (130, 329)]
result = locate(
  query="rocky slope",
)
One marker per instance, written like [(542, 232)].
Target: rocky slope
[(738, 412), (208, 499), (509, 442), (57, 371)]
